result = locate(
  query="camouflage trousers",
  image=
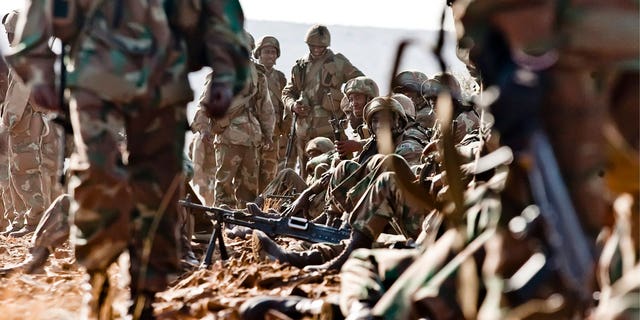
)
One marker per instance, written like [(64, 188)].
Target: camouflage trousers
[(28, 184), (236, 175), (125, 193), (5, 192), (368, 274), (268, 165), (52, 159), (204, 167)]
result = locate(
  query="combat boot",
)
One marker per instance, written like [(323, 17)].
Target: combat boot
[(264, 248), (293, 306), (22, 232)]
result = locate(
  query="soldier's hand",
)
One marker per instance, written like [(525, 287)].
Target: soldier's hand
[(300, 110), (299, 207), (347, 147), (45, 96), (220, 96)]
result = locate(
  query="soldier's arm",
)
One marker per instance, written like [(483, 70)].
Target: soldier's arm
[(290, 93), (226, 51), (349, 70)]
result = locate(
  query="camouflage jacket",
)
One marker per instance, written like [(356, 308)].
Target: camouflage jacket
[(250, 119), (277, 81), (315, 77)]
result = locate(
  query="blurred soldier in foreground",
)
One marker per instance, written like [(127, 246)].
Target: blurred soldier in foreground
[(267, 52), (127, 70), (313, 94)]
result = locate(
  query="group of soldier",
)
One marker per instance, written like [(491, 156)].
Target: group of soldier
[(402, 169)]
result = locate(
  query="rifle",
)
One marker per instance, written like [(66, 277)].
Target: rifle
[(294, 227), (338, 131), (290, 140)]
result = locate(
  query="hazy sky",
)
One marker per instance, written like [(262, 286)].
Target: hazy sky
[(402, 14)]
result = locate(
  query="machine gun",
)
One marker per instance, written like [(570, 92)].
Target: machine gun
[(294, 227)]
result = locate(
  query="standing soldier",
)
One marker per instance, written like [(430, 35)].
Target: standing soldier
[(240, 134), (314, 94), (202, 152), (128, 70), (26, 125), (267, 52)]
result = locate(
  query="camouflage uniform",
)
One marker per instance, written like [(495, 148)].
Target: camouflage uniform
[(312, 78), (203, 155), (350, 182), (269, 159), (26, 127), (128, 72), (247, 126)]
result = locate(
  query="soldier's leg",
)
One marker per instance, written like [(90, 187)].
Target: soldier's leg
[(203, 158), (209, 169), (302, 156), (263, 247), (155, 139), (52, 159), (26, 168), (367, 275), (5, 195), (246, 183), (268, 167), (102, 201), (228, 161), (101, 197)]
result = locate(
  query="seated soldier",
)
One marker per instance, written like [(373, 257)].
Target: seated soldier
[(348, 183), (358, 92)]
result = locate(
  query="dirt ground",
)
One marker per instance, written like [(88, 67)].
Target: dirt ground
[(56, 291)]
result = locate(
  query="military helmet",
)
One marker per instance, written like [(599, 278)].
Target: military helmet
[(250, 40), (318, 35), (345, 105), (363, 85), (449, 82), (267, 41), (10, 20), (407, 104), (408, 80), (321, 144), (431, 88), (383, 103)]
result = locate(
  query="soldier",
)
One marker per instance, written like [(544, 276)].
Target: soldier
[(267, 52), (128, 71), (313, 93), (413, 84), (347, 185), (359, 91), (26, 126), (240, 134), (202, 151)]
